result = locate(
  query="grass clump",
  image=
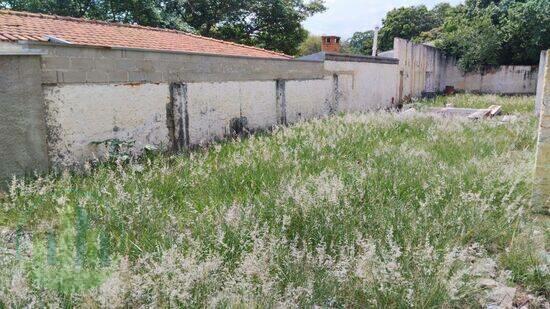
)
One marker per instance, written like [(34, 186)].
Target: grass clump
[(352, 211), (510, 104)]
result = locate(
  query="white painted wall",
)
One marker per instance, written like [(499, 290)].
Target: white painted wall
[(422, 68), (426, 69), (365, 86), (540, 82), (78, 115), (8, 47), (211, 106), (308, 99), (506, 79)]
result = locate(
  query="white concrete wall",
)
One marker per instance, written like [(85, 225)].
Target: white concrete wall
[(501, 80), (93, 95), (365, 86), (211, 106), (7, 47), (308, 99), (540, 82), (426, 69), (422, 68), (79, 115)]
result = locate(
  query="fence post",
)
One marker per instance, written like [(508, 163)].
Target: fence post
[(541, 194)]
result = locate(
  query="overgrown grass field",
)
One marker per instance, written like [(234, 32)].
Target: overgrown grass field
[(379, 210)]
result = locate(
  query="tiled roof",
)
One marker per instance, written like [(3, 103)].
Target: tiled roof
[(15, 26)]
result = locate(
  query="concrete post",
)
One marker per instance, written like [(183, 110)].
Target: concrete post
[(541, 194), (375, 42), (540, 82), (281, 102)]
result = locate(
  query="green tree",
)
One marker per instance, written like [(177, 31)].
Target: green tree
[(361, 43), (206, 15), (496, 33), (310, 46), (441, 12), (144, 12), (475, 42), (480, 4), (270, 24), (525, 31), (406, 23)]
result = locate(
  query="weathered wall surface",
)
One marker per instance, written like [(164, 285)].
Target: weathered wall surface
[(80, 116), (507, 79), (541, 195), (97, 94), (213, 106), (309, 99), (365, 86), (426, 70), (540, 82), (70, 65), (93, 96), (7, 47), (23, 147), (422, 68)]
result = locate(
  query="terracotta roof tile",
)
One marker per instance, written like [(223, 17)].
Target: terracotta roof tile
[(15, 26)]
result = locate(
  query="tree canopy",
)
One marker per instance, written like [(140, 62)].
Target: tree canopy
[(361, 42), (270, 24), (478, 33), (311, 45), (407, 23)]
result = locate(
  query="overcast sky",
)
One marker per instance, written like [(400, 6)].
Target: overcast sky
[(344, 17)]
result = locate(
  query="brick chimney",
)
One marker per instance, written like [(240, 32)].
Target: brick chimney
[(330, 44)]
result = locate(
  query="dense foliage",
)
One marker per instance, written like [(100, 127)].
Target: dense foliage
[(479, 33), (311, 45), (271, 24), (361, 42)]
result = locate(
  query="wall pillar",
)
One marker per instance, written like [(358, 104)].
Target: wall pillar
[(540, 82), (23, 147), (541, 194), (178, 117), (281, 103)]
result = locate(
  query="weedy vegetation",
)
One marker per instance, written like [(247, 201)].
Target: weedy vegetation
[(382, 210), (510, 104)]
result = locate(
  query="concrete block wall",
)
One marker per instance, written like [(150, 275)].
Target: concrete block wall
[(426, 69), (70, 65), (90, 96), (23, 148), (309, 99), (213, 106), (93, 95), (541, 194), (506, 79), (82, 116), (421, 68), (365, 86)]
